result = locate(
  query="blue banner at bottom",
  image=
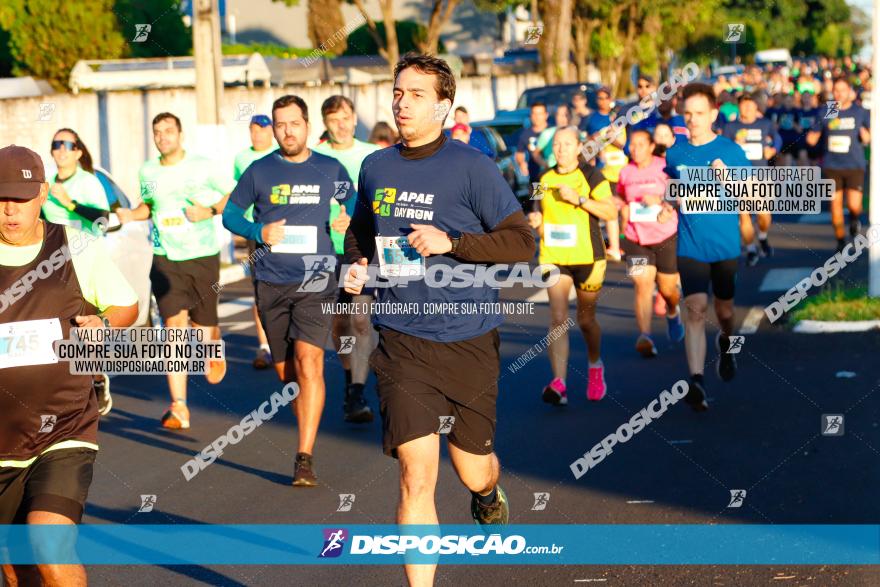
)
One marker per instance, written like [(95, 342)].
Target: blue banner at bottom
[(526, 544)]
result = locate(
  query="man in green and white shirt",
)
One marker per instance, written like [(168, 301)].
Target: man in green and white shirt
[(262, 143), (340, 121), (182, 193)]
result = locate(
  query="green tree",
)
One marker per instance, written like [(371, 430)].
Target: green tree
[(411, 36), (47, 37), (168, 35)]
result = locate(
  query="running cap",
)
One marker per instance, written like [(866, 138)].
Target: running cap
[(261, 120), (21, 173)]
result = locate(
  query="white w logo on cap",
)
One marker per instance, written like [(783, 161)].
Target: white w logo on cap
[(26, 173)]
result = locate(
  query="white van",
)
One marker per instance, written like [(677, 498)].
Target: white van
[(774, 57)]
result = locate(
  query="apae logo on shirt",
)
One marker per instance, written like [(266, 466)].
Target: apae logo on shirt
[(295, 194), (413, 205), (847, 123)]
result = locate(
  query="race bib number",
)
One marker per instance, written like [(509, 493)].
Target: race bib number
[(29, 342), (640, 213), (615, 159), (397, 258), (172, 221), (838, 143), (754, 151), (300, 240), (560, 235)]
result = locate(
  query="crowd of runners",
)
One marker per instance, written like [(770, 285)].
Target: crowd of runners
[(323, 221)]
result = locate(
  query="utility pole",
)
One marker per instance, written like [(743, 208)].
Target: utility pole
[(207, 53), (210, 135), (874, 165)]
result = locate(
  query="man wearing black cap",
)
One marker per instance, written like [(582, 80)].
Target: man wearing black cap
[(52, 278)]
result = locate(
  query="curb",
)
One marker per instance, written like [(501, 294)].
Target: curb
[(823, 327)]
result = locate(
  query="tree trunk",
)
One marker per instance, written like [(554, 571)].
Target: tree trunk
[(391, 46), (326, 26), (584, 29), (562, 48), (388, 46), (438, 20), (547, 44)]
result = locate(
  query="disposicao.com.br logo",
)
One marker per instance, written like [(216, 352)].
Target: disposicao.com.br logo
[(429, 544)]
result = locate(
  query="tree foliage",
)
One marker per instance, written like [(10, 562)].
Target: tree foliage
[(168, 35), (47, 37)]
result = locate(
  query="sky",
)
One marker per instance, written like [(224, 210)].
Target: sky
[(868, 7)]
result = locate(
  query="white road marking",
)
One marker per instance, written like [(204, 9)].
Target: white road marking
[(640, 501), (820, 218), (752, 320), (234, 306), (784, 279), (590, 580)]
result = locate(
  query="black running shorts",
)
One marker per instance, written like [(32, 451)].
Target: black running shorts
[(289, 315), (57, 482), (421, 383), (846, 179), (661, 255), (190, 285), (698, 276)]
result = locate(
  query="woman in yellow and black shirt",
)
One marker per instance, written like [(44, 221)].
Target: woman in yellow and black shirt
[(575, 198)]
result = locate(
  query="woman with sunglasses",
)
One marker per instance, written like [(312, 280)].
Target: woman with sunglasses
[(76, 196)]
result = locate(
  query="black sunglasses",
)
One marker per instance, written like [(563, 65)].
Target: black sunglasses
[(69, 145)]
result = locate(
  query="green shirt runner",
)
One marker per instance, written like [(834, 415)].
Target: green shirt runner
[(83, 187), (351, 159), (168, 190), (242, 161)]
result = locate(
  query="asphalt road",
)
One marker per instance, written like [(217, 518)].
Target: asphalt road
[(761, 434)]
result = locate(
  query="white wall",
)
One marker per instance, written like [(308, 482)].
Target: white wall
[(129, 114)]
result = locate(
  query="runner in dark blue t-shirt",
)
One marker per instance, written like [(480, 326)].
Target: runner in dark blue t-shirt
[(845, 130), (427, 207), (291, 191), (807, 117), (760, 142), (708, 243)]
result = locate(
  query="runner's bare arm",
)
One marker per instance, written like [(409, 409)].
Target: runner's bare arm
[(118, 316), (605, 209), (511, 241), (142, 212), (813, 137)]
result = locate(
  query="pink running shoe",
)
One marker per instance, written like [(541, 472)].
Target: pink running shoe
[(596, 383), (555, 394)]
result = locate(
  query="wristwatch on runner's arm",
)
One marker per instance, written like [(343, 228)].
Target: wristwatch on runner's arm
[(454, 237), (581, 201)]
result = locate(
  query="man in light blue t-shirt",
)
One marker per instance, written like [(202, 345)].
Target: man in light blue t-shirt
[(708, 244)]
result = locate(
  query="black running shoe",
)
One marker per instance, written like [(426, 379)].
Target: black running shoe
[(497, 512), (356, 408), (726, 365), (303, 475), (766, 249), (841, 244), (752, 258), (855, 227), (696, 396)]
